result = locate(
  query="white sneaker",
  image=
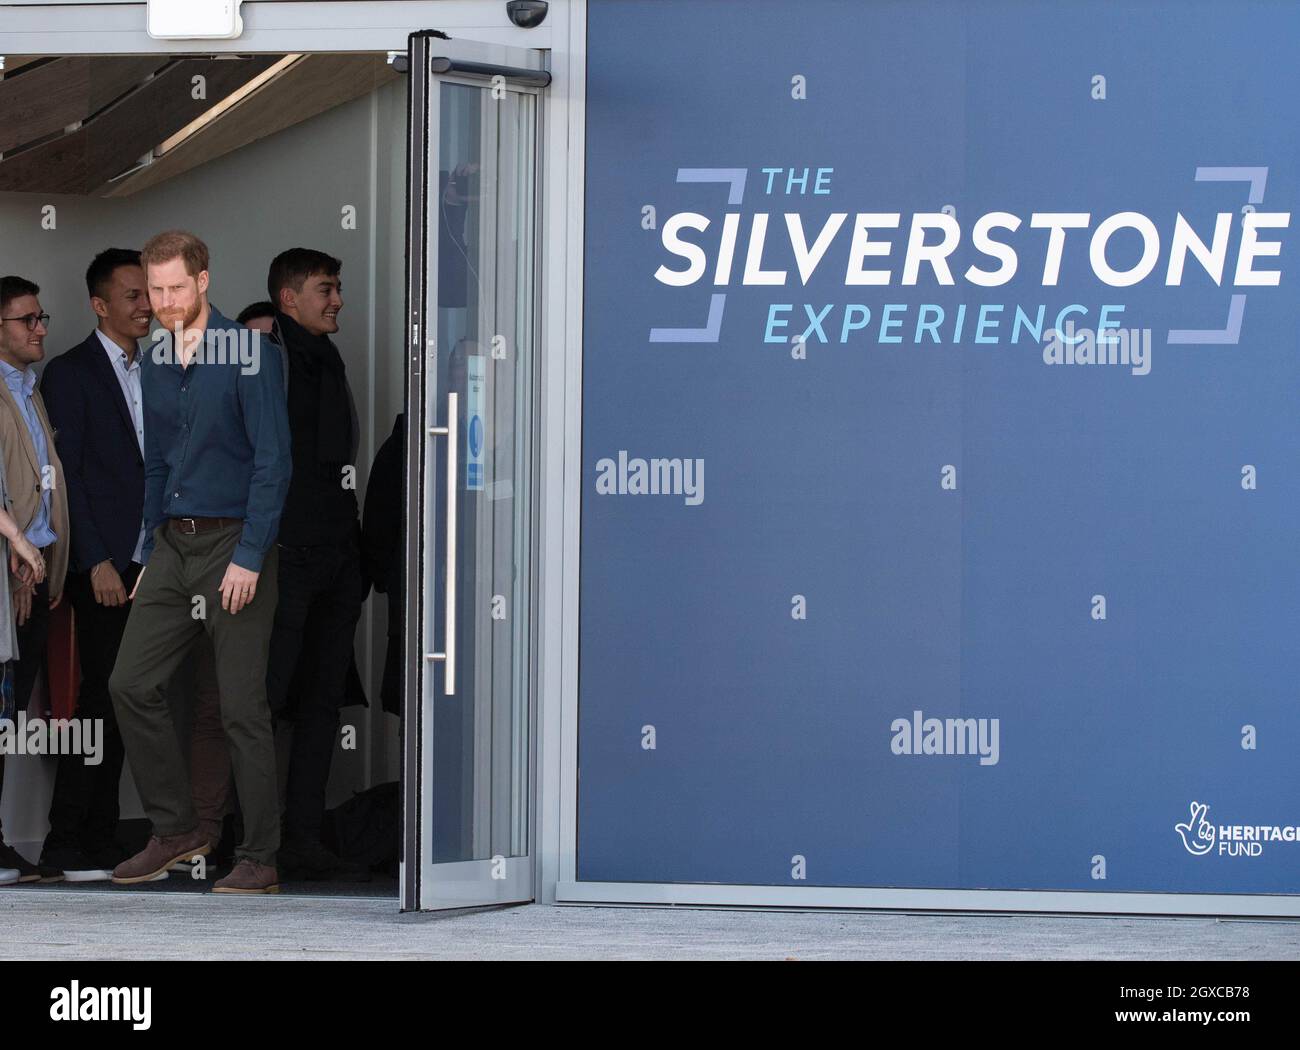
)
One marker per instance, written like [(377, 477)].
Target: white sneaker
[(8, 875), (88, 875)]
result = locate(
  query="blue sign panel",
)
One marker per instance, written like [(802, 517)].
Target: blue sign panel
[(941, 446)]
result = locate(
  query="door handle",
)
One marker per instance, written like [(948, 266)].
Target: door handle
[(448, 654)]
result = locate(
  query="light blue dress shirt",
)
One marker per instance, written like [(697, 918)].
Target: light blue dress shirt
[(21, 384), (128, 378)]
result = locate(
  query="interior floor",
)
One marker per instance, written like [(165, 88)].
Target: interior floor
[(380, 887)]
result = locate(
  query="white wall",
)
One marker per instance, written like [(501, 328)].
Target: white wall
[(285, 191)]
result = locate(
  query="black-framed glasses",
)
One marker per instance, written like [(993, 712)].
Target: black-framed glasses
[(32, 320)]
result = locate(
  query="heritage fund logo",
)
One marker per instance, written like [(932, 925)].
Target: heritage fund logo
[(1200, 837), (75, 1003), (946, 736), (651, 477)]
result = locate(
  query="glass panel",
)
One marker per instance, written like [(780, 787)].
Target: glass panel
[(486, 273)]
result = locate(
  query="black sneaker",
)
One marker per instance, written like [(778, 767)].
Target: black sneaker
[(314, 863), (71, 865), (11, 858)]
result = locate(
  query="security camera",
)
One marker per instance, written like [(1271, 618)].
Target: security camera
[(527, 14)]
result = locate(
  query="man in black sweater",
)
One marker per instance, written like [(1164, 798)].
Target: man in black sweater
[(320, 583), (383, 551)]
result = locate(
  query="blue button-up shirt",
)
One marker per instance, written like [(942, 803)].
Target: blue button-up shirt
[(217, 436), (21, 384)]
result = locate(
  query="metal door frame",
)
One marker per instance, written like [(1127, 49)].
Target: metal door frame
[(424, 885)]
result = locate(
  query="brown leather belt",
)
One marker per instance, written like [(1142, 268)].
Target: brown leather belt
[(190, 526)]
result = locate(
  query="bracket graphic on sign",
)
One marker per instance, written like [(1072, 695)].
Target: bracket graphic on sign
[(1230, 333), (735, 178)]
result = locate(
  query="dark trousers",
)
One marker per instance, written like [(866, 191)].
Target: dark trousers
[(32, 636), (84, 810), (165, 623), (209, 755), (315, 625)]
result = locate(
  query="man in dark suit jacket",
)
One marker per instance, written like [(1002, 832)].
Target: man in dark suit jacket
[(93, 396)]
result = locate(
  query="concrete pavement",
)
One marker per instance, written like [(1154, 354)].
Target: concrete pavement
[(36, 923)]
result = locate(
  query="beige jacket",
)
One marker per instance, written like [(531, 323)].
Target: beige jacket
[(23, 474)]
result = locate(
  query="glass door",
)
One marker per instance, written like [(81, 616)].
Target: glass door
[(467, 720)]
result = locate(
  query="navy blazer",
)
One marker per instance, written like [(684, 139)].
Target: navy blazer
[(102, 466)]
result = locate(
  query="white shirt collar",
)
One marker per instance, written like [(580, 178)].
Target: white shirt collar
[(114, 351)]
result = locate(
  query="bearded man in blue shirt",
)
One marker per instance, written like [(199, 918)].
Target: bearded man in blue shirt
[(217, 469)]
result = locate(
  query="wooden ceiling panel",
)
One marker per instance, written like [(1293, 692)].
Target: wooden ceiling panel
[(110, 143), (42, 101), (113, 77), (12, 63), (56, 167), (312, 85), (57, 94)]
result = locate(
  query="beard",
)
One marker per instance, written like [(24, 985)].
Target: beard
[(185, 316)]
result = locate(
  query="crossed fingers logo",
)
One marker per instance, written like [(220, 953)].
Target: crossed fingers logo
[(1197, 832)]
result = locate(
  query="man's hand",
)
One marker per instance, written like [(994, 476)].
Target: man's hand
[(22, 595), (19, 569), (137, 582), (237, 588), (107, 584), (25, 561)]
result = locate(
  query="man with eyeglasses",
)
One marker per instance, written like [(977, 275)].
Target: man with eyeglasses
[(40, 503)]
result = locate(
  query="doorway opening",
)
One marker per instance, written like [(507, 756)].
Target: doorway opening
[(426, 186)]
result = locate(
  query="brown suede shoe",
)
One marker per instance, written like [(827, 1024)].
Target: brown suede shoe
[(249, 877), (159, 855), (211, 830)]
